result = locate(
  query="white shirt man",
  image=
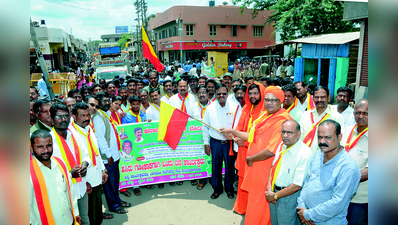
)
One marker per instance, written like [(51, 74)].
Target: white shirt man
[(196, 109), (94, 173), (166, 99), (58, 195), (232, 98), (306, 124), (112, 149), (192, 72), (219, 117), (348, 115), (80, 187), (289, 71), (153, 113), (177, 102)]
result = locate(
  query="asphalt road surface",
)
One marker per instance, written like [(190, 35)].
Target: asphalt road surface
[(176, 205)]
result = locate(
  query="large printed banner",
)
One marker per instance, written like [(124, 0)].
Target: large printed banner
[(145, 160)]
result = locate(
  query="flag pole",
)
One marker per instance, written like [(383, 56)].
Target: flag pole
[(205, 124), (209, 126)]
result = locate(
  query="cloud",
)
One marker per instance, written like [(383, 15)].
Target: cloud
[(93, 18), (39, 7)]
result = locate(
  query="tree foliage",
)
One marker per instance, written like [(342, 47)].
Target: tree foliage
[(301, 18), (123, 40)]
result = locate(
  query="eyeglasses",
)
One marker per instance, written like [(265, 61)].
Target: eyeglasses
[(106, 101), (218, 94), (289, 133), (152, 78), (272, 100), (60, 117), (94, 105)]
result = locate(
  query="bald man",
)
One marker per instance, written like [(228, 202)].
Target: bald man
[(69, 102)]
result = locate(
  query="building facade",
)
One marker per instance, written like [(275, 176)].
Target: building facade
[(221, 28), (60, 49)]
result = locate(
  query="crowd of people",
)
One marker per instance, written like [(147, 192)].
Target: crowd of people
[(297, 158)]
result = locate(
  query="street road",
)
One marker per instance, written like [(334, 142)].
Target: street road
[(177, 205)]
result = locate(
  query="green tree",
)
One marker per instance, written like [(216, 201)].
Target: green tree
[(301, 18), (123, 40)]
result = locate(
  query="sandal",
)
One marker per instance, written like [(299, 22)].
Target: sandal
[(194, 182), (107, 216), (126, 193), (125, 204), (137, 191), (119, 210)]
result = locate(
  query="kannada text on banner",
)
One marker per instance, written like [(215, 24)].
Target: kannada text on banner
[(145, 160)]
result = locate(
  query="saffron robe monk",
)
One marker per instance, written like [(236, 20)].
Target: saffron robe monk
[(254, 107), (264, 137)]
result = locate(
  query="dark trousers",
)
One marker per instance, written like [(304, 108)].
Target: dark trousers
[(95, 206), (111, 187), (220, 153), (357, 214)]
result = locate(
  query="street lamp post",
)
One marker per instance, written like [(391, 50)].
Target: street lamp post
[(180, 31)]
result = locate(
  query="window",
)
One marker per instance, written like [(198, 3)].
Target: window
[(167, 33), (176, 31), (258, 31), (189, 30), (163, 34), (234, 30), (223, 26), (117, 39), (171, 33), (213, 30), (243, 27)]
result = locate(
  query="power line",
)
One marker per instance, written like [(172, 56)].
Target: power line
[(76, 6)]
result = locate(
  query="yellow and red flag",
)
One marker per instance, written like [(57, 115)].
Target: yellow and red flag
[(172, 123), (149, 53)]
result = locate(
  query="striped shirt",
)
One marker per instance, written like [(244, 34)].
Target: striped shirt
[(294, 165)]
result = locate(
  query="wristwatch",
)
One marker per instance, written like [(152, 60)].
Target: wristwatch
[(276, 196)]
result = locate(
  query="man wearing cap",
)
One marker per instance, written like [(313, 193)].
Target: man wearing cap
[(153, 84), (264, 138), (227, 80)]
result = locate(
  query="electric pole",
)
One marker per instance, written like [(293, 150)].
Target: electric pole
[(39, 55)]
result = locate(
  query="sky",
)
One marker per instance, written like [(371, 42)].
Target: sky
[(93, 18)]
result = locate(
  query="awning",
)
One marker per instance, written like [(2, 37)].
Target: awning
[(338, 39), (272, 46)]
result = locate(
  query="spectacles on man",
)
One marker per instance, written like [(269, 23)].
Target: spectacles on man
[(94, 105), (218, 94), (272, 100), (60, 117)]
